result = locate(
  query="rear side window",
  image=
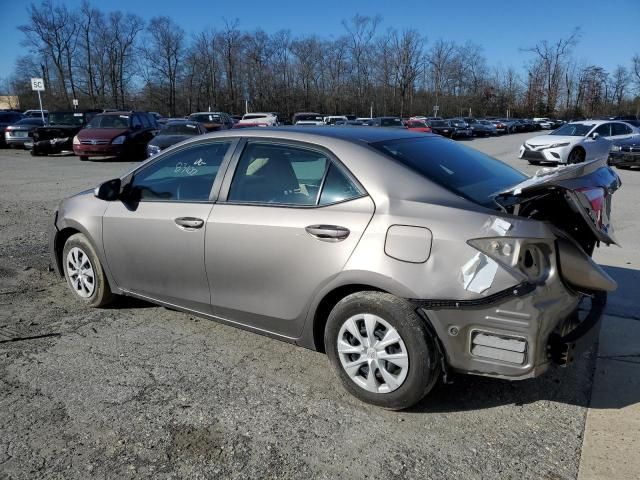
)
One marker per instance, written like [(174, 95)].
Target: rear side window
[(620, 129), (289, 175), (460, 169)]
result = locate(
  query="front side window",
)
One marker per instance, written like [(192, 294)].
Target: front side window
[(603, 130), (136, 122), (185, 175)]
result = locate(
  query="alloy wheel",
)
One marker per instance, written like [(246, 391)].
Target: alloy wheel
[(372, 353), (80, 272)]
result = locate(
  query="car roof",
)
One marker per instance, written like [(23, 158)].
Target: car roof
[(352, 134), (205, 113)]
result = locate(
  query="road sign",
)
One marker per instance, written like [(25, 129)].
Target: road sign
[(37, 84)]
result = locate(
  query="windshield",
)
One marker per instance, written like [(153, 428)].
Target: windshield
[(439, 123), (109, 121), (462, 170), (205, 118), (311, 116), (65, 118), (179, 129), (416, 124), (573, 130)]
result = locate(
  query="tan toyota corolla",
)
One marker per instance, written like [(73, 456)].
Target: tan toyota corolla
[(405, 257)]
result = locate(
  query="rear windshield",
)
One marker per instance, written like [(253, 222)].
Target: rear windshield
[(66, 118), (109, 121), (253, 117), (179, 129), (573, 130), (30, 121), (390, 122), (460, 169), (205, 118)]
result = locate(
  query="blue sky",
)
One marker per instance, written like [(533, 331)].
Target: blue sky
[(610, 30)]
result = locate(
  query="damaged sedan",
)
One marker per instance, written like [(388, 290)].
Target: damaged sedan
[(404, 256)]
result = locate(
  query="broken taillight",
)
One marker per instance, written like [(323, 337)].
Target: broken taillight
[(596, 198)]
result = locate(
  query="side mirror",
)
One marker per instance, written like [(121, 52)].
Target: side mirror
[(595, 135), (109, 190)]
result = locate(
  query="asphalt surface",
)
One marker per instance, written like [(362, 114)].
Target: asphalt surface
[(139, 391)]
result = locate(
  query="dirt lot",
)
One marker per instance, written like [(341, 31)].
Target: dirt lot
[(138, 391)]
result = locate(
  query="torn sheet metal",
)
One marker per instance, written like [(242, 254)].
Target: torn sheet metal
[(480, 271)]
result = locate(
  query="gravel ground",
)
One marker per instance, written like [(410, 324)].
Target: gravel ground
[(139, 391)]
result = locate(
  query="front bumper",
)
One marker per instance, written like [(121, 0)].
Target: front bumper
[(108, 150), (624, 158), (514, 334), (556, 155)]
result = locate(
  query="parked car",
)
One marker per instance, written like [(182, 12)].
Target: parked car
[(545, 123), (332, 119), (115, 134), (511, 125), (7, 119), (212, 121), (576, 142), (21, 132), (625, 153), (421, 257), (482, 128), (389, 122), (173, 132), (501, 127), (461, 128), (352, 123), (36, 113), (57, 135), (257, 120), (307, 118), (417, 126), (442, 127)]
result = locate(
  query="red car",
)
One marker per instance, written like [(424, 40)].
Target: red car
[(417, 126), (115, 134)]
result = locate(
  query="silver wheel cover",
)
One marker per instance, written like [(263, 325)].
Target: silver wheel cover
[(372, 353), (80, 272)]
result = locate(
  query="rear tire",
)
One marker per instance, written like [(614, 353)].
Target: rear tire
[(83, 158), (392, 360), (83, 272), (534, 162)]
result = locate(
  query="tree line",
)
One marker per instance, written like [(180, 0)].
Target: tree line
[(111, 59)]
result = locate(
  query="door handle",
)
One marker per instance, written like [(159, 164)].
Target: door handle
[(328, 233), (190, 223)]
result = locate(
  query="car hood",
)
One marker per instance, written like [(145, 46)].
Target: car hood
[(629, 142), (164, 141), (101, 133), (574, 198), (544, 140)]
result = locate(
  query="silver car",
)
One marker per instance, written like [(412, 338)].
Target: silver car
[(404, 256)]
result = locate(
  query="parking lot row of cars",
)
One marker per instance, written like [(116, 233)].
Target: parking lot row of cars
[(98, 133)]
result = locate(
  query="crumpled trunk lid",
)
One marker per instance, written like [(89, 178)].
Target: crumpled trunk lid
[(575, 198)]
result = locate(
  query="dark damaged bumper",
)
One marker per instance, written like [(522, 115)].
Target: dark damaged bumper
[(514, 334), (563, 349), (52, 234)]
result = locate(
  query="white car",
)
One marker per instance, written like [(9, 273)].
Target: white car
[(576, 142), (258, 120), (332, 119)]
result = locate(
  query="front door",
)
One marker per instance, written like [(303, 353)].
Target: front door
[(289, 223), (154, 238)]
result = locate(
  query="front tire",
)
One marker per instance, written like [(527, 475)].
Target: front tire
[(83, 272), (576, 155), (381, 350)]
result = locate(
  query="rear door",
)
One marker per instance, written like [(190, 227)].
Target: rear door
[(287, 221), (154, 241)]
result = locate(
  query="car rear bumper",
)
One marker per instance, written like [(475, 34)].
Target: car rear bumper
[(514, 334)]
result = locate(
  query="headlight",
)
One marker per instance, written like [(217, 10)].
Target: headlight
[(557, 145), (119, 140), (525, 258), (615, 148), (76, 140)]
